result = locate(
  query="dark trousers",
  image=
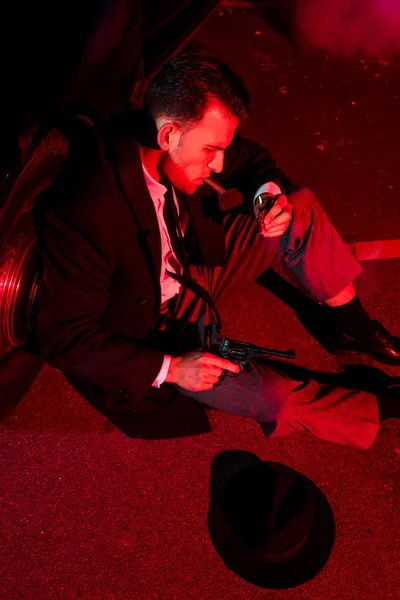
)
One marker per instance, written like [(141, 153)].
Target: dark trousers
[(317, 256)]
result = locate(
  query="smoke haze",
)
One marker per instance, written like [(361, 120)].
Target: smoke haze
[(371, 27)]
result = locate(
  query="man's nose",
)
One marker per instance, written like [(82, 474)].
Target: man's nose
[(217, 163)]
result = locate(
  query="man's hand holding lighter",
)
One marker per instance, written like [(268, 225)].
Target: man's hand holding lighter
[(275, 222)]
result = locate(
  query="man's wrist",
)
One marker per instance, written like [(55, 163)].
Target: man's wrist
[(268, 188), (170, 377), (161, 377)]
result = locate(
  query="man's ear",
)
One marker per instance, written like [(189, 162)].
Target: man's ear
[(168, 135)]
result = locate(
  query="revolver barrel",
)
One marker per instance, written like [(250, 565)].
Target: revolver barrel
[(265, 352)]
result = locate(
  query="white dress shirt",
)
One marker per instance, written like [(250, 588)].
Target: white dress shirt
[(169, 286)]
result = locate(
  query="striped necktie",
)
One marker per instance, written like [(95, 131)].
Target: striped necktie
[(171, 218)]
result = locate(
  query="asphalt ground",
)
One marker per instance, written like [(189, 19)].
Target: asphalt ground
[(89, 513)]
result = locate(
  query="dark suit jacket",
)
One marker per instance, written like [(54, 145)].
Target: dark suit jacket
[(100, 292)]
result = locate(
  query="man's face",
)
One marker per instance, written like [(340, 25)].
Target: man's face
[(194, 153)]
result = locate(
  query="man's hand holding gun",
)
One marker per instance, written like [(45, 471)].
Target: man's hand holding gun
[(240, 353)]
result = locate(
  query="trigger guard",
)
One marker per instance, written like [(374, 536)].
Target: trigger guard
[(230, 374)]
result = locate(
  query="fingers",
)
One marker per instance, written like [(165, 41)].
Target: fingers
[(279, 205), (221, 363), (277, 220), (275, 229), (274, 232), (280, 219), (211, 381), (214, 371), (280, 212)]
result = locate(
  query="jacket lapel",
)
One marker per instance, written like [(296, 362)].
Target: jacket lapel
[(129, 173)]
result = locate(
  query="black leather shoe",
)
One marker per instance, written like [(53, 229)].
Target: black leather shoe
[(382, 346)]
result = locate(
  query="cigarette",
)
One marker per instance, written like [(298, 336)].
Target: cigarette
[(215, 186)]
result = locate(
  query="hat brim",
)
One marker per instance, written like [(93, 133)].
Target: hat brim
[(307, 562)]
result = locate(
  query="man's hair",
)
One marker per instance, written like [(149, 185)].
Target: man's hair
[(183, 87)]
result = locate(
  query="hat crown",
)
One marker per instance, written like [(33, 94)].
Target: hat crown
[(271, 513)]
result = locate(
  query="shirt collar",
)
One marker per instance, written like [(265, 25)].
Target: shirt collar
[(156, 189)]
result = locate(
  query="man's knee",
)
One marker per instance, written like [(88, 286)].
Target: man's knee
[(306, 209), (304, 200)]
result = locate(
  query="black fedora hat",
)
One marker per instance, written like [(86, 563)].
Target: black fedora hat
[(270, 524)]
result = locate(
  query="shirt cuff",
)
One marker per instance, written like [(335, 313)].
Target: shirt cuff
[(163, 372), (268, 188)]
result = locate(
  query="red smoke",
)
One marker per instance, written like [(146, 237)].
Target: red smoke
[(371, 27)]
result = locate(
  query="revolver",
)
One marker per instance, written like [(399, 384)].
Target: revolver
[(241, 352)]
